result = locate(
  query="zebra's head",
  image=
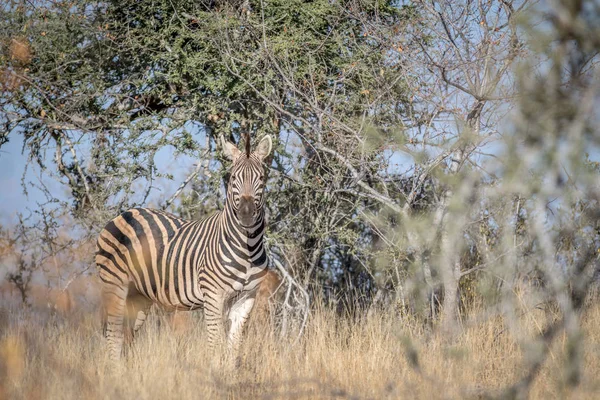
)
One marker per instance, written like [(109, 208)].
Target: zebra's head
[(247, 179)]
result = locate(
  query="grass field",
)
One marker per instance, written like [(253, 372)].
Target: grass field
[(373, 357)]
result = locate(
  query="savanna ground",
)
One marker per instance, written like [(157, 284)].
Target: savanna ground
[(382, 355)]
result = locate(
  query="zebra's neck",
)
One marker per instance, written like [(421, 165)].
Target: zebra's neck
[(242, 245)]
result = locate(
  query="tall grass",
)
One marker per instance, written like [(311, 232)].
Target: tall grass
[(380, 356)]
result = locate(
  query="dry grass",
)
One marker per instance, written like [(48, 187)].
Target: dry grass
[(61, 358)]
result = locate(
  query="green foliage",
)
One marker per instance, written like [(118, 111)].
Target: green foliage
[(110, 84)]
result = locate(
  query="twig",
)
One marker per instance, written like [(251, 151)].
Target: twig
[(293, 282)]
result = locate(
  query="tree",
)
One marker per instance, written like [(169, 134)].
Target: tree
[(105, 86)]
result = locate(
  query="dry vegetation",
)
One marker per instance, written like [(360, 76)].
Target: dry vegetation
[(380, 356)]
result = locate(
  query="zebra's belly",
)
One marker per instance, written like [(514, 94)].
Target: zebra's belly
[(183, 299), (173, 297), (180, 307)]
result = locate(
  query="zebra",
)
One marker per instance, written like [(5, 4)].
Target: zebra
[(146, 256)]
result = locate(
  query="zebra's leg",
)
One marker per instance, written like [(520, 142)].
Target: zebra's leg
[(213, 317), (237, 316), (113, 300), (138, 307), (141, 317)]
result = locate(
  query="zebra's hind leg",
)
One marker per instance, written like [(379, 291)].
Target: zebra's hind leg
[(113, 300), (138, 307)]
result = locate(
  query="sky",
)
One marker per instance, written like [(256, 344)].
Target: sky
[(13, 164)]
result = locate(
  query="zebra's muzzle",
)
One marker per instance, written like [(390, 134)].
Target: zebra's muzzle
[(246, 211)]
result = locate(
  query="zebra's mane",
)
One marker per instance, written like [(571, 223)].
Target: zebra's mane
[(247, 142)]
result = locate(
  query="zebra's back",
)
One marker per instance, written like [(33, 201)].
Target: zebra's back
[(155, 251)]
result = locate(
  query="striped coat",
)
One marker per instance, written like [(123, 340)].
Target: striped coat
[(147, 256)]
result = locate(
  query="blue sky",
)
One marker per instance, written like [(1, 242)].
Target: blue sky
[(13, 164)]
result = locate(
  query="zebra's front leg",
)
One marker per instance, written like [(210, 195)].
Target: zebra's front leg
[(213, 317), (237, 317)]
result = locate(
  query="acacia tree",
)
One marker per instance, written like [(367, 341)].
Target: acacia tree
[(98, 88)]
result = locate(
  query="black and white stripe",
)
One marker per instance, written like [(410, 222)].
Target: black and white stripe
[(147, 256)]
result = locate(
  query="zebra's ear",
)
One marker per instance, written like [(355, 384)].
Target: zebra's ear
[(230, 150), (264, 147)]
